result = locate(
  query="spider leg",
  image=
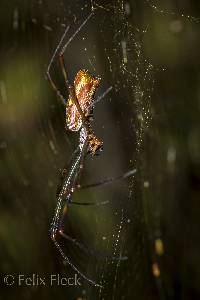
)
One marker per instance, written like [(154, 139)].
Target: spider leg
[(59, 94), (99, 183), (101, 97), (56, 230), (108, 180), (72, 265), (80, 245), (71, 90), (61, 58), (64, 200), (53, 85), (63, 67), (89, 251), (89, 203), (76, 32), (60, 229)]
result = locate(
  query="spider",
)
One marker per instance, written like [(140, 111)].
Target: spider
[(79, 112)]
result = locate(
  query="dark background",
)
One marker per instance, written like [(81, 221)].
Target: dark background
[(149, 121)]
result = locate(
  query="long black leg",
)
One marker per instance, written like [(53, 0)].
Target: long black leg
[(80, 245), (57, 229), (72, 265), (89, 203), (76, 32), (89, 251), (53, 85), (100, 183), (51, 81), (60, 229), (101, 97), (63, 67), (108, 180)]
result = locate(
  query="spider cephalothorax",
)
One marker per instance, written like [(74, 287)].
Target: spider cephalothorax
[(95, 146)]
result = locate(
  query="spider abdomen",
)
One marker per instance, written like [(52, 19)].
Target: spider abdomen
[(85, 86)]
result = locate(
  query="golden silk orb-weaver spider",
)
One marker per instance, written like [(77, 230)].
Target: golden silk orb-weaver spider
[(79, 111)]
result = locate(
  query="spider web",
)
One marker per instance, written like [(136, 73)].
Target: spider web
[(120, 43)]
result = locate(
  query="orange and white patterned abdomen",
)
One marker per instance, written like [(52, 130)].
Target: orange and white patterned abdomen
[(85, 86)]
